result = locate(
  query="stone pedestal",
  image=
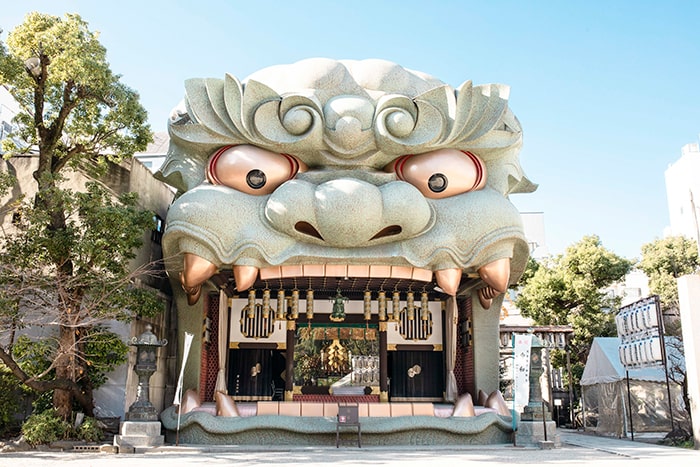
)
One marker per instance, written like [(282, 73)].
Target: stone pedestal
[(139, 435), (532, 433)]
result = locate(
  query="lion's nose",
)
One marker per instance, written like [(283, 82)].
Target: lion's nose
[(347, 212)]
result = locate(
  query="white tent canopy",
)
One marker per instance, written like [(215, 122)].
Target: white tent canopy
[(604, 366), (605, 390)]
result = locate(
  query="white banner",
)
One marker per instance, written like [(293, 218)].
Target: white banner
[(521, 367), (185, 354)]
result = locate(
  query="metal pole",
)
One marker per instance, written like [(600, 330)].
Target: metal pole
[(659, 318), (515, 426), (629, 403), (571, 389)]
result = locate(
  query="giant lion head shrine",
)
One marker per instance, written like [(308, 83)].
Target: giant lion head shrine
[(342, 238)]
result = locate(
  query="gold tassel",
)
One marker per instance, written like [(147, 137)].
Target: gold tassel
[(281, 305), (395, 306), (251, 303), (368, 305), (295, 304), (266, 304), (410, 307), (309, 304), (381, 303), (425, 311)]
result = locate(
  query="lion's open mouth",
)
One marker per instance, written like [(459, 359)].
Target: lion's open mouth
[(325, 279)]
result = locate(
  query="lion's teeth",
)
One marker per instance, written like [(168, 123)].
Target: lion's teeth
[(245, 277), (196, 270), (448, 280), (496, 274)]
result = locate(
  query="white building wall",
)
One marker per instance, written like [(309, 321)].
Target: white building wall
[(683, 192)]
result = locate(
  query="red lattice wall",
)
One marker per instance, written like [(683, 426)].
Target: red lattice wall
[(209, 366), (464, 364)]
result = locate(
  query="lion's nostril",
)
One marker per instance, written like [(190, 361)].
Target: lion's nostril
[(307, 229), (387, 232)]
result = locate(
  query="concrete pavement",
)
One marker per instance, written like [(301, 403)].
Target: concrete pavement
[(576, 449)]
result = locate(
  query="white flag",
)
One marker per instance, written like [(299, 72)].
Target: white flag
[(186, 352), (521, 367)]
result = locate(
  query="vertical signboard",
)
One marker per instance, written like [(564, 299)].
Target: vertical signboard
[(521, 364)]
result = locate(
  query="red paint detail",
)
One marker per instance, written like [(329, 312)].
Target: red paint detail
[(293, 165), (479, 169), (398, 165), (211, 167)]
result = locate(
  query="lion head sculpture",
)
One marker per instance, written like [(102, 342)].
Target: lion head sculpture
[(345, 169)]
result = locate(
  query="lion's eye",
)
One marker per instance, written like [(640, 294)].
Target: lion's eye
[(441, 173), (252, 170)]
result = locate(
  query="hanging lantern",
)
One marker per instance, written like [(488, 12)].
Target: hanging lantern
[(309, 304), (424, 311), (251, 303), (281, 305), (410, 307), (395, 306), (368, 305), (338, 313), (266, 304), (295, 304), (381, 303)]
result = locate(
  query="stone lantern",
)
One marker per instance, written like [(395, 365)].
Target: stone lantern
[(535, 409), (536, 426), (142, 427), (147, 345)]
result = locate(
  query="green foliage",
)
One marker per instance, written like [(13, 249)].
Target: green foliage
[(89, 431), (47, 426), (663, 261), (570, 290), (9, 400), (78, 94), (68, 263), (103, 351)]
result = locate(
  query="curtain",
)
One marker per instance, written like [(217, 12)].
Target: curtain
[(451, 349), (222, 342)]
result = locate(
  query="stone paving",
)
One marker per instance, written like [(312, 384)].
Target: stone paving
[(576, 449)]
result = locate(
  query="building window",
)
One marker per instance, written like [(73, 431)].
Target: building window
[(157, 232)]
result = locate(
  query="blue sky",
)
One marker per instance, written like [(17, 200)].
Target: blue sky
[(607, 92)]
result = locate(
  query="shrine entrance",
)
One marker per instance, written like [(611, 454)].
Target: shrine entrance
[(336, 359)]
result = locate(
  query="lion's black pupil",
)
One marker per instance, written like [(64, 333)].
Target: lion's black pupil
[(437, 183), (256, 179)]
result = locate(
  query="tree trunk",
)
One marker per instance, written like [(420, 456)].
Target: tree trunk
[(65, 369)]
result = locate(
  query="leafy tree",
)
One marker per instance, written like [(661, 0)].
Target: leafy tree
[(664, 261), (66, 266), (570, 290)]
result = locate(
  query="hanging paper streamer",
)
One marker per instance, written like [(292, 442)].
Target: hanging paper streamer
[(281, 305), (309, 304), (368, 305), (266, 304), (424, 311), (251, 303), (410, 307), (381, 303), (295, 304)]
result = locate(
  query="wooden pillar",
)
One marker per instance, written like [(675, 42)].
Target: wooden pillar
[(383, 364), (289, 370)]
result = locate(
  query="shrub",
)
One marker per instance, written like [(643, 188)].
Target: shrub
[(90, 431), (45, 427)]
